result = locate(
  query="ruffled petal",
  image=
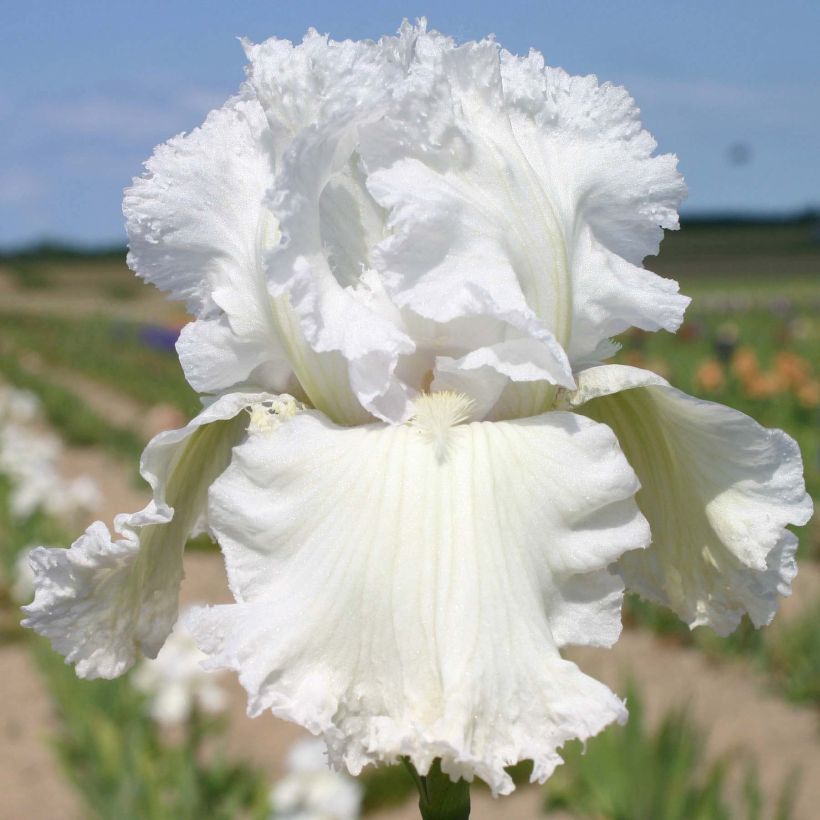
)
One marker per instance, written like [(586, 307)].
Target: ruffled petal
[(313, 81), (525, 195), (587, 146), (461, 242), (718, 490), (105, 599), (404, 590), (319, 267), (197, 228)]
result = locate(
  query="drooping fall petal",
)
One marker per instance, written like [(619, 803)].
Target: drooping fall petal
[(107, 598), (718, 491), (404, 590)]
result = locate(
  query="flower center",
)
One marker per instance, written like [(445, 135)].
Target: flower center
[(268, 416), (436, 414)]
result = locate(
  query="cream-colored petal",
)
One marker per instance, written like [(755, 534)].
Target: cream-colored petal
[(107, 598), (718, 490), (404, 590)]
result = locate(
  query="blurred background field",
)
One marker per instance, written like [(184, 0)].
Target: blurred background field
[(721, 727)]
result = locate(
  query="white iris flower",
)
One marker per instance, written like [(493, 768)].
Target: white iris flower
[(406, 260), (311, 790), (176, 683)]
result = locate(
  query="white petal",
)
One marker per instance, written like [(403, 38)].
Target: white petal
[(718, 490), (586, 142), (312, 82), (517, 191), (334, 316), (197, 228), (316, 95), (404, 590), (106, 598)]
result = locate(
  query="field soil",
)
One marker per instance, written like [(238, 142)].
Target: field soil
[(32, 785)]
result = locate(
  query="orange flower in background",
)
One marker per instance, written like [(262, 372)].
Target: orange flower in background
[(763, 385), (710, 376), (745, 364), (808, 395), (658, 365), (794, 370), (634, 358)]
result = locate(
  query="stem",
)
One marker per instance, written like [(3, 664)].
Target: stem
[(439, 797)]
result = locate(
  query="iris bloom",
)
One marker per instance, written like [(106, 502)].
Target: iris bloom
[(175, 682), (406, 260), (311, 790)]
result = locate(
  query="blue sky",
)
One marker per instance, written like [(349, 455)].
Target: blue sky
[(90, 87)]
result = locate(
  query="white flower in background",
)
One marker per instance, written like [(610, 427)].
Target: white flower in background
[(311, 790), (78, 494), (176, 682), (428, 246), (18, 406), (29, 458)]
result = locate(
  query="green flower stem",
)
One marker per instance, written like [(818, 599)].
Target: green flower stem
[(439, 797)]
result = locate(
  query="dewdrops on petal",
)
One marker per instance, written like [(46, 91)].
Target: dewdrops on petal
[(311, 790), (176, 683)]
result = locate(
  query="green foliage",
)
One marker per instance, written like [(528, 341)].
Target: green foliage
[(792, 657), (632, 773), (385, 786), (439, 797), (116, 757), (658, 619), (110, 351), (29, 274), (62, 253), (108, 746), (75, 421), (15, 535), (713, 239), (744, 641), (789, 655)]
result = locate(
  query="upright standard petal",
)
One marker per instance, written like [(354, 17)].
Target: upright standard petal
[(460, 244), (104, 599), (718, 490), (404, 590), (198, 228), (315, 96), (519, 193), (318, 268)]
